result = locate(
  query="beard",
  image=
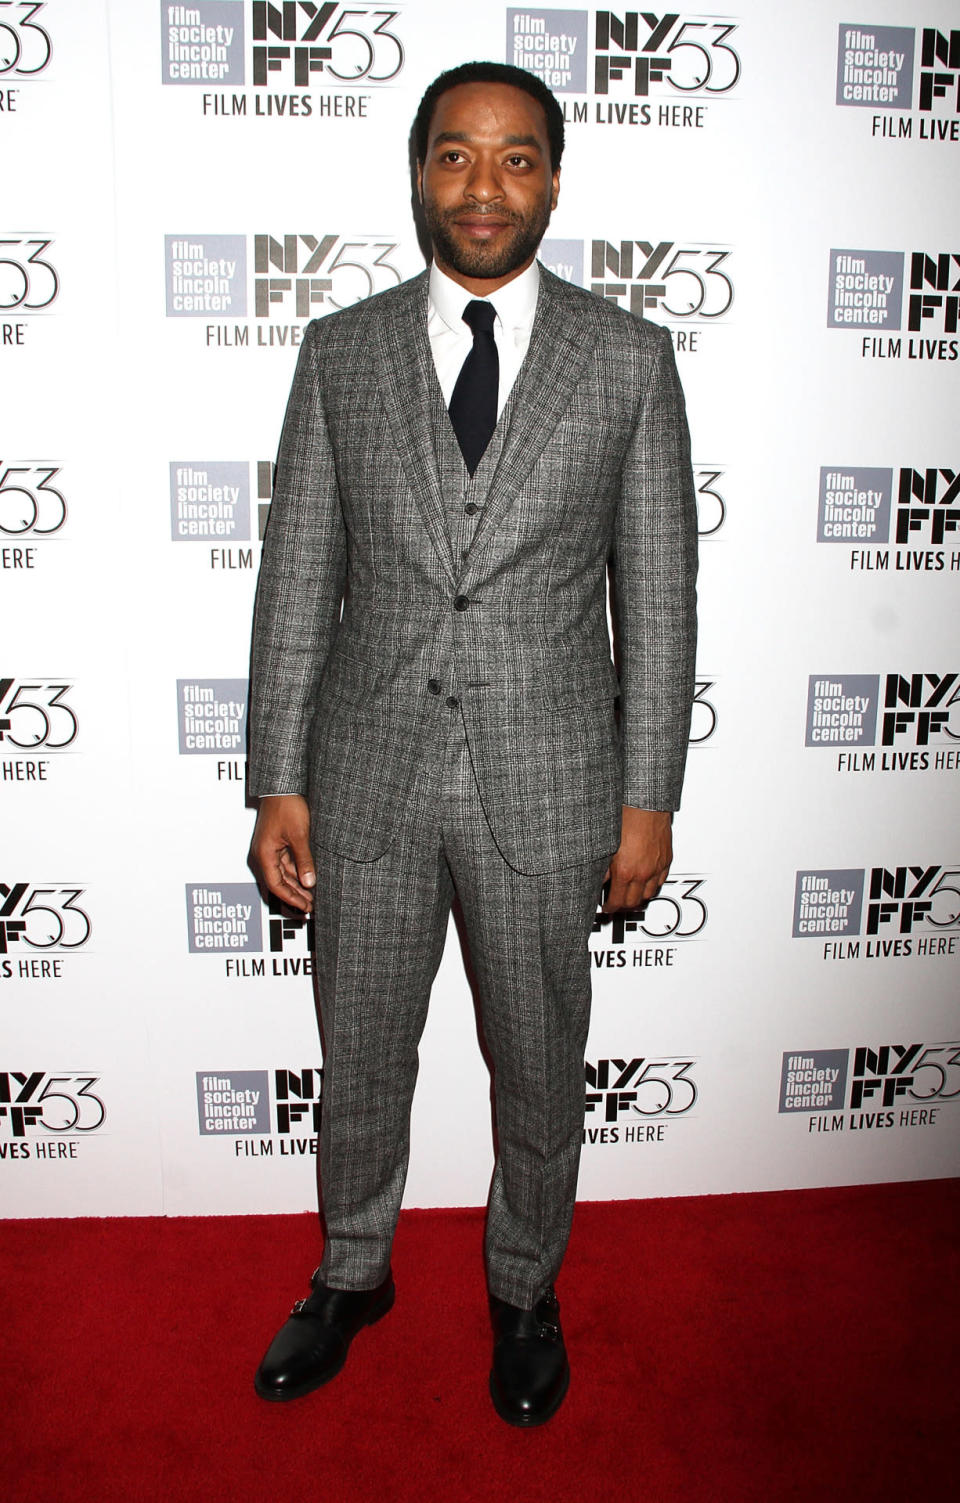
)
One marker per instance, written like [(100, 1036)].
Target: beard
[(481, 258)]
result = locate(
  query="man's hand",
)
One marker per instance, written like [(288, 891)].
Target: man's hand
[(280, 849), (642, 862)]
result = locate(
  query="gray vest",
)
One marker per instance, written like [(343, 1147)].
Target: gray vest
[(465, 494)]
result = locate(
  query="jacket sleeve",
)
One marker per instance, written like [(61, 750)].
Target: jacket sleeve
[(300, 588), (655, 570)]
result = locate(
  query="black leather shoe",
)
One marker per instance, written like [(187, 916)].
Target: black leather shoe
[(530, 1374), (312, 1346)]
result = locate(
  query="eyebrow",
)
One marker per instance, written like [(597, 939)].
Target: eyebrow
[(446, 136)]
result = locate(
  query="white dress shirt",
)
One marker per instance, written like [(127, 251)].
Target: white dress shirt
[(451, 340)]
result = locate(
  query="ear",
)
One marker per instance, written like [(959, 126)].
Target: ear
[(556, 189), (420, 181)]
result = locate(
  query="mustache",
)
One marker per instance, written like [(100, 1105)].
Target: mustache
[(452, 216)]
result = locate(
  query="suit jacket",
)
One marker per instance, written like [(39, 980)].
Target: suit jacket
[(362, 609)]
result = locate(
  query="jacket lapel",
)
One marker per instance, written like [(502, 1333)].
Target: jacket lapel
[(408, 380), (562, 339)]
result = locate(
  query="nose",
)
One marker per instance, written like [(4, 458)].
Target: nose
[(483, 184)]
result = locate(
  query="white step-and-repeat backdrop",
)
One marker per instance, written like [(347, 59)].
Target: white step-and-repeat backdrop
[(183, 187)]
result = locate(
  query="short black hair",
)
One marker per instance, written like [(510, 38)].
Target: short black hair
[(500, 73)]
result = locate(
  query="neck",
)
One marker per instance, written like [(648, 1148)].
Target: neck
[(482, 286)]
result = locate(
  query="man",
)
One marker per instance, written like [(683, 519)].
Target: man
[(434, 707)]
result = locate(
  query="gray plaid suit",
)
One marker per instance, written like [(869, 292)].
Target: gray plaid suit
[(444, 694)]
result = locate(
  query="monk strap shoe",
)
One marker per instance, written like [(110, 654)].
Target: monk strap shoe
[(312, 1346), (530, 1374)]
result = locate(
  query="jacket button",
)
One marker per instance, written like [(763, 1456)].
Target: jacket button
[(434, 685), (453, 702), (461, 603), (471, 508)]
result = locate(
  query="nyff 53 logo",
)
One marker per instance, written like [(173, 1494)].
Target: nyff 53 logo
[(646, 1087), (36, 1101), (29, 503), (669, 279), (35, 714), (29, 281), (677, 912), (25, 45), (41, 918)]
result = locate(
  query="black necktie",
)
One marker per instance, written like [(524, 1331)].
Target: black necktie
[(473, 406)]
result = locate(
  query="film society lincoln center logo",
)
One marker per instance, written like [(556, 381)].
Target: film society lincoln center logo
[(212, 716), (875, 71)]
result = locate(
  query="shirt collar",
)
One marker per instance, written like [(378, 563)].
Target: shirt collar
[(515, 302)]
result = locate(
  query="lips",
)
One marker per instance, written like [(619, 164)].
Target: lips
[(481, 226)]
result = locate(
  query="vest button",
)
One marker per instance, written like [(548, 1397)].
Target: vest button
[(434, 685), (461, 603), (453, 702), (471, 508)]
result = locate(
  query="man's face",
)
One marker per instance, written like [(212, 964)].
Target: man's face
[(486, 184)]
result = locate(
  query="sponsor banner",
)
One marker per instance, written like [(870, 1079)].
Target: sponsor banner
[(634, 68), (29, 280), (225, 917), (209, 500), (827, 902), (40, 924), (913, 718), (206, 276), (264, 1108), (686, 285), (854, 504), (866, 292), (866, 288), (875, 66), (551, 43), (203, 43), (292, 279), (872, 1087), (842, 711), (212, 716), (230, 919), (27, 45), (33, 506), (37, 717), (907, 77), (635, 1100), (895, 912), (917, 510), (47, 1114), (650, 938), (293, 59)]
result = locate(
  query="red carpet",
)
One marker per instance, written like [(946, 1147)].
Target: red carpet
[(753, 1347)]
